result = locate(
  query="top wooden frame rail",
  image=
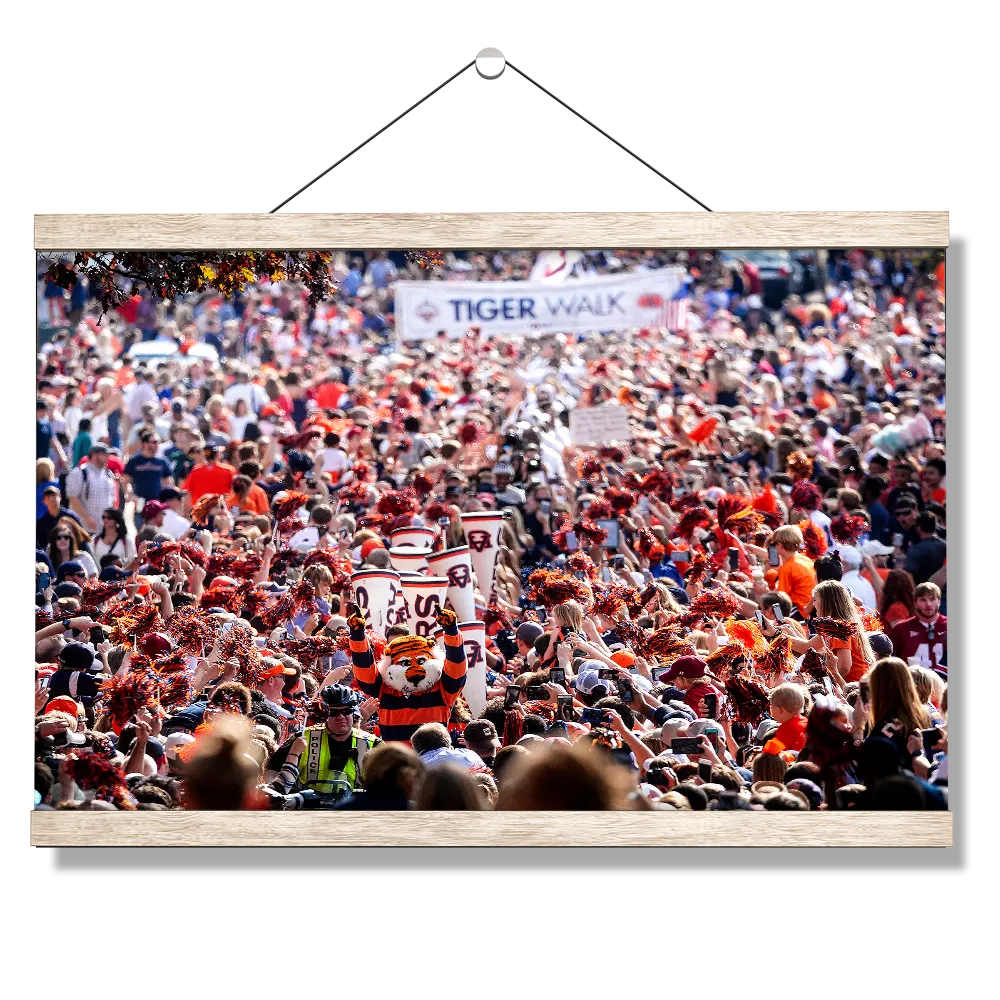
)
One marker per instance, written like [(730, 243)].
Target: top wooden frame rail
[(716, 230)]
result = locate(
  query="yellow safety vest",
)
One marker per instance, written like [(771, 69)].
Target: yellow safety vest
[(314, 765)]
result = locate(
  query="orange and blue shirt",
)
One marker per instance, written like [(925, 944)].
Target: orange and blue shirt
[(398, 715)]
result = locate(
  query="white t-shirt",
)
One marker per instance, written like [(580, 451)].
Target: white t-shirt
[(860, 588), (253, 394), (335, 461), (468, 759), (125, 548), (238, 425), (86, 560), (174, 525), (823, 523), (73, 415), (135, 396)]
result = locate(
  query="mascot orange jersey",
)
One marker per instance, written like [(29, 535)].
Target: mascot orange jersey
[(414, 684)]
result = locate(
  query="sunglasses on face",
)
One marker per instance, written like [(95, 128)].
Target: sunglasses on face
[(62, 538), (334, 712)]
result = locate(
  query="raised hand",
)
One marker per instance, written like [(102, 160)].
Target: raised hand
[(355, 618), (446, 617)]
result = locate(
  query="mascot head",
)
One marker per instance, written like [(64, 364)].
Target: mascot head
[(412, 664)]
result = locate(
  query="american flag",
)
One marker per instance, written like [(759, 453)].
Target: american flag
[(677, 309)]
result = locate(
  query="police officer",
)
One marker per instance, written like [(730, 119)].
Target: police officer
[(328, 759)]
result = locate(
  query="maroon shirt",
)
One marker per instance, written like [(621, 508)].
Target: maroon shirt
[(927, 642)]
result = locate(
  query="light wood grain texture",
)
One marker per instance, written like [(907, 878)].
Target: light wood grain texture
[(628, 229), (499, 829)]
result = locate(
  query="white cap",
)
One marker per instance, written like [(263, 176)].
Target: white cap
[(175, 740), (873, 548), (850, 556)]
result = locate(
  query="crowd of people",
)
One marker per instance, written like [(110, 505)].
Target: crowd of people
[(742, 606)]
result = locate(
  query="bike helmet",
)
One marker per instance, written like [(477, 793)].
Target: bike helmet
[(338, 696)]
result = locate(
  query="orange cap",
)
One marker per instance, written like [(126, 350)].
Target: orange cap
[(623, 658), (370, 546), (63, 703)]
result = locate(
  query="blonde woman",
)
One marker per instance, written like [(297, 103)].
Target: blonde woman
[(854, 657), (218, 414), (454, 535), (45, 476), (507, 576), (927, 682), (569, 617), (773, 395)]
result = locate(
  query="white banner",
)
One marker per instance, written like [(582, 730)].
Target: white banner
[(598, 424), (474, 639), (482, 534), (579, 305), (456, 565), (423, 598), (555, 266), (376, 592)]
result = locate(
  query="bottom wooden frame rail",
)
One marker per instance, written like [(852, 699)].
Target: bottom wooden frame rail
[(80, 828)]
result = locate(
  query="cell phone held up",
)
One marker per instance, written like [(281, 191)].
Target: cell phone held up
[(734, 559), (595, 717), (557, 675), (711, 706), (511, 697), (773, 558), (626, 692), (535, 692), (564, 710), (931, 738), (686, 745), (705, 770)]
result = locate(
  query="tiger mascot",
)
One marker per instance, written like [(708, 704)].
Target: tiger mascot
[(413, 682)]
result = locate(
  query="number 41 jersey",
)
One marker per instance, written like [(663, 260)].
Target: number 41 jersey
[(923, 642)]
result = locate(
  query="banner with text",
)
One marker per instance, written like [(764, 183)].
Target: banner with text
[(598, 424), (578, 305)]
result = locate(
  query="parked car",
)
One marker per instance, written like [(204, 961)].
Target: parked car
[(151, 351), (780, 273)]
